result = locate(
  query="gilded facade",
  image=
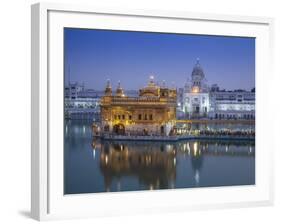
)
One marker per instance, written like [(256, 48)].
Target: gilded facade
[(153, 112)]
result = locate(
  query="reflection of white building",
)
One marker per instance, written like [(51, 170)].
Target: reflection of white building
[(200, 101)]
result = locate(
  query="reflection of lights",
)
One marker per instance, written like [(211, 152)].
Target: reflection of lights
[(168, 148), (188, 148), (66, 129), (226, 148), (94, 153), (197, 177), (150, 187), (250, 149), (195, 148), (84, 129), (175, 161), (106, 160)]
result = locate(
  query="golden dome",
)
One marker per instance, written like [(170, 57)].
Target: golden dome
[(151, 89)]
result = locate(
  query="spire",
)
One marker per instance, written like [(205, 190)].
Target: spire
[(119, 85), (197, 72), (151, 81), (108, 85), (108, 91), (197, 65)]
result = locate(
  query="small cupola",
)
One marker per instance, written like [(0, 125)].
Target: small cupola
[(119, 90)]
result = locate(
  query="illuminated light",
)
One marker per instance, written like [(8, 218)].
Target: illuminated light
[(195, 148), (168, 148), (195, 89), (197, 177)]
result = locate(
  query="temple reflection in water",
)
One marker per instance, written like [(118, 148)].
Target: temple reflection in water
[(102, 166), (155, 164)]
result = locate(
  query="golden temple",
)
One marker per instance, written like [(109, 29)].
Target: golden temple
[(153, 112)]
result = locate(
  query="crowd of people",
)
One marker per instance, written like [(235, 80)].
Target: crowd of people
[(225, 132)]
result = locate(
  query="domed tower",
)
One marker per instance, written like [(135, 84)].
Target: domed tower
[(196, 96), (197, 78), (119, 90), (108, 90)]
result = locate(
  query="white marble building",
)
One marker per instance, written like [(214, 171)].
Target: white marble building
[(232, 105), (196, 97), (200, 101)]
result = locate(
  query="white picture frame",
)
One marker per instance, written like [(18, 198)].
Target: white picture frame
[(48, 201)]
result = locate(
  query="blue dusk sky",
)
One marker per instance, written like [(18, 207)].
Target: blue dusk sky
[(93, 56)]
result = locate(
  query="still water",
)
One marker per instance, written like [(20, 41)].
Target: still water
[(105, 166)]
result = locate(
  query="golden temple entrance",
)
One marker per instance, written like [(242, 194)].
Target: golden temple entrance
[(119, 129)]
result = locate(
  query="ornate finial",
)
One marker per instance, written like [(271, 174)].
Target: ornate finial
[(119, 84), (108, 85), (197, 61), (151, 81)]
